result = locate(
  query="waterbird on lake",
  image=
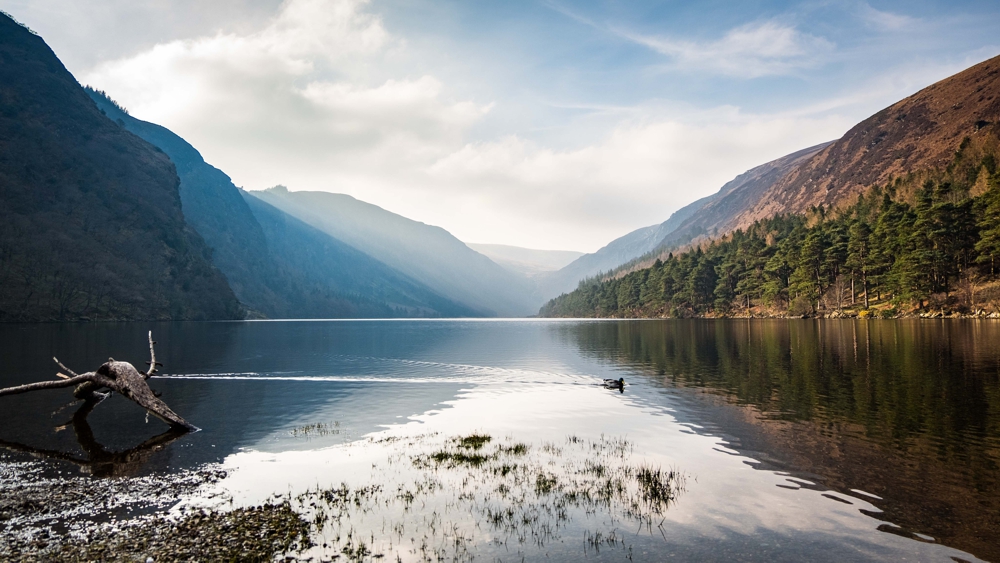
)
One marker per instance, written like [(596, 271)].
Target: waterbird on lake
[(615, 383)]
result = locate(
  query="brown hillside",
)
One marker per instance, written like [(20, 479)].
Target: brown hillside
[(921, 132)]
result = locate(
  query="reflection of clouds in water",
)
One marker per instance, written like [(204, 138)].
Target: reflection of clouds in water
[(736, 508)]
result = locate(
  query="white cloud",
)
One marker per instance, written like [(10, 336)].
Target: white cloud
[(749, 51), (881, 19), (629, 179), (324, 97)]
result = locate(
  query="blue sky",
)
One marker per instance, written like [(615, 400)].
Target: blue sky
[(541, 124)]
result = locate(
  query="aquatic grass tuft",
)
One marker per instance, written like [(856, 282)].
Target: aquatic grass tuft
[(459, 458), (474, 441), (518, 449)]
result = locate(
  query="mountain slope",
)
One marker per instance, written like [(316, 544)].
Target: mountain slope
[(921, 132), (277, 265), (701, 217), (429, 254), (344, 281), (716, 215), (91, 224), (901, 213)]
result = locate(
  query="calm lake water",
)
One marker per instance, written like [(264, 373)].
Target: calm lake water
[(793, 440)]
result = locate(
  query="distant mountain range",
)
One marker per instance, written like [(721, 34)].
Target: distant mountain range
[(526, 261), (428, 254), (278, 266), (105, 216)]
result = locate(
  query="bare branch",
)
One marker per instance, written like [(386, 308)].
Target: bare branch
[(58, 383), (152, 358), (66, 369)]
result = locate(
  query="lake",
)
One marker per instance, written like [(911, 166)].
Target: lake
[(766, 440)]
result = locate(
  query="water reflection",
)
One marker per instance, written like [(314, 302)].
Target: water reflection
[(805, 440), (98, 460), (906, 411)]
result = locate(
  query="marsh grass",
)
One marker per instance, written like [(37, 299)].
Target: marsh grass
[(317, 430), (475, 496), (433, 499)]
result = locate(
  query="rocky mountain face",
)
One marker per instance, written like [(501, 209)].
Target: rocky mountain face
[(91, 224)]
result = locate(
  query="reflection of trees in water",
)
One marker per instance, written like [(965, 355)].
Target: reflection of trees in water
[(97, 460), (897, 379), (907, 410)]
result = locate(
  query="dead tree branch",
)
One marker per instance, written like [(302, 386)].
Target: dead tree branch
[(120, 377)]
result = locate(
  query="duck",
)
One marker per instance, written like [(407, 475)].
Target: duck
[(615, 383)]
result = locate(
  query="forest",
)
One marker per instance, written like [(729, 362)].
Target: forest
[(921, 242)]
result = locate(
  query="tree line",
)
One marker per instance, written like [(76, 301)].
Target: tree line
[(927, 238)]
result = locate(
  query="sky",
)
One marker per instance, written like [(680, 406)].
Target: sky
[(544, 124)]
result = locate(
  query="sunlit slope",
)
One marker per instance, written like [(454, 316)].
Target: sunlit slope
[(919, 133), (427, 253)]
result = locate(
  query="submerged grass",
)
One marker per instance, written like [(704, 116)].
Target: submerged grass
[(455, 499)]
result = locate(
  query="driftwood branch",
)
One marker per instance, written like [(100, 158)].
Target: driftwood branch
[(120, 377)]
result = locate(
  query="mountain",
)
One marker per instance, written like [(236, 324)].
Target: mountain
[(430, 255), (348, 282), (526, 261), (91, 224), (900, 215), (278, 266), (920, 133), (699, 218)]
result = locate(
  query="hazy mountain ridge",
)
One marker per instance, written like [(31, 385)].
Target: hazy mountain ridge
[(91, 224), (526, 261), (277, 265), (429, 254), (697, 219), (347, 282)]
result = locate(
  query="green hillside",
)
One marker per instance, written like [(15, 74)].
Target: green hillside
[(930, 240)]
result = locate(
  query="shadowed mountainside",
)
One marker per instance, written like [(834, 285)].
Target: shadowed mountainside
[(278, 266), (91, 224)]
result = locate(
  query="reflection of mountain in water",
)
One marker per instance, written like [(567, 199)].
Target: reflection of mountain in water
[(909, 411)]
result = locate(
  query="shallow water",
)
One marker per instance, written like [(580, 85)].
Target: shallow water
[(797, 440)]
